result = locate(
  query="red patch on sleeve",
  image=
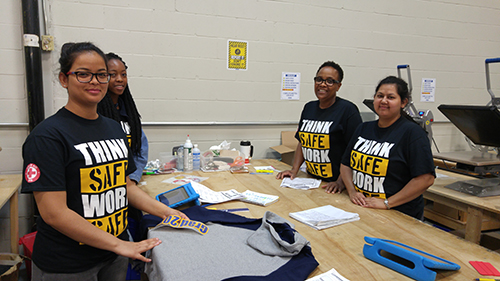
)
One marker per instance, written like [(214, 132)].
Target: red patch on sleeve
[(32, 173)]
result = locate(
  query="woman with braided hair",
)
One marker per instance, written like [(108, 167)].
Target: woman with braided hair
[(118, 104)]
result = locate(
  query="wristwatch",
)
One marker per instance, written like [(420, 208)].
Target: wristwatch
[(386, 203)]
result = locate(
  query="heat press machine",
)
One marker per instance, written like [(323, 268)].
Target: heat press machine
[(424, 118), (406, 260), (481, 126)]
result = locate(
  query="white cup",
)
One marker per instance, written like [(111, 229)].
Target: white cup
[(246, 148)]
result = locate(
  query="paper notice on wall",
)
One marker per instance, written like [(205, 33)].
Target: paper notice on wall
[(428, 90), (290, 86), (237, 55)]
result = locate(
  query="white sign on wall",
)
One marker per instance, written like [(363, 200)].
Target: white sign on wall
[(290, 85), (428, 90)]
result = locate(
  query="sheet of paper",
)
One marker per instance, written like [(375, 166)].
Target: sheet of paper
[(258, 198), (290, 87), (428, 90), (270, 168), (331, 275), (441, 176), (183, 179), (209, 196)]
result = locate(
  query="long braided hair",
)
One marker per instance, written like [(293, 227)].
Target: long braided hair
[(108, 109)]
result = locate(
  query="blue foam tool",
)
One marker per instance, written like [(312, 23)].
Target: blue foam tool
[(413, 263)]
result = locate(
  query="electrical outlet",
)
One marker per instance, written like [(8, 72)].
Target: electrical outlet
[(47, 43)]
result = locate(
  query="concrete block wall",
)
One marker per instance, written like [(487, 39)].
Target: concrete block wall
[(176, 52)]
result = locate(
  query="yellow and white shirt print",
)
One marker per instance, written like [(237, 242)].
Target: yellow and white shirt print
[(315, 139), (104, 186), (369, 162)]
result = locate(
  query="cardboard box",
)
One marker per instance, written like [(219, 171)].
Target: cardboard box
[(11, 264), (287, 147)]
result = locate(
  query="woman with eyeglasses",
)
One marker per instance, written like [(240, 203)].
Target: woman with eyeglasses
[(76, 165), (325, 128), (118, 104), (388, 164)]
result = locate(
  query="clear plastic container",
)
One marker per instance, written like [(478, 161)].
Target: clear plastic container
[(180, 159), (188, 156)]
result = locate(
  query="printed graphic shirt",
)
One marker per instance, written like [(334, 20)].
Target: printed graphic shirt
[(89, 159), (235, 248), (324, 135), (384, 160)]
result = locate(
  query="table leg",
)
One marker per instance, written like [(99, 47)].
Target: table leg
[(14, 223), (473, 225)]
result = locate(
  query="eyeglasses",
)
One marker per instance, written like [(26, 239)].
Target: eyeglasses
[(86, 77), (328, 81)]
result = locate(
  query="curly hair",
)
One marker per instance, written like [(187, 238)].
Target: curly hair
[(335, 66)]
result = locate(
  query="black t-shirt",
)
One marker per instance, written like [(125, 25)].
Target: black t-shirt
[(324, 135), (384, 160), (124, 121), (89, 159)]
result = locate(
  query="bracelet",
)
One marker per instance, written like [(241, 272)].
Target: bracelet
[(386, 203)]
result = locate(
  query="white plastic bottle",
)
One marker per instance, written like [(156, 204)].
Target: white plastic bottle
[(188, 156), (196, 158)]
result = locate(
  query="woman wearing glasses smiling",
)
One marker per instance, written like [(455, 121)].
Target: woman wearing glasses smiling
[(76, 165), (325, 128)]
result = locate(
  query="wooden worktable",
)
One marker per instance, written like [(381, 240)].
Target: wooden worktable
[(474, 206), (9, 186), (341, 247)]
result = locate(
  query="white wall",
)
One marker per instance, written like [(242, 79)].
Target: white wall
[(176, 52)]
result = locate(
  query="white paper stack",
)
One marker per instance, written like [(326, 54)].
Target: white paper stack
[(324, 217), (300, 183)]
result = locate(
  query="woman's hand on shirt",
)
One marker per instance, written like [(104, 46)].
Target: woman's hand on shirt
[(134, 249)]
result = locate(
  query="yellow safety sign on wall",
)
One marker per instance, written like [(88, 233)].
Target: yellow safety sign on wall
[(237, 54)]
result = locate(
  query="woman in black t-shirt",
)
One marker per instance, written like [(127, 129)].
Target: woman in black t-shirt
[(76, 165), (388, 163), (325, 128)]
